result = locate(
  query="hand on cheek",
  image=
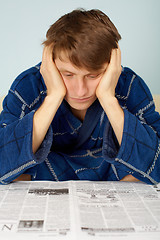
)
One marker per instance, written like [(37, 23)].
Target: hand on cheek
[(110, 77)]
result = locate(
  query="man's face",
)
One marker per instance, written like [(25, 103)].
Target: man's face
[(80, 83)]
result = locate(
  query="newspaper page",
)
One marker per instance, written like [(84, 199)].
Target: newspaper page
[(79, 210), (34, 210), (121, 210)]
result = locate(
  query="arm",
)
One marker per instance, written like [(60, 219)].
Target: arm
[(106, 94), (138, 156), (55, 93), (16, 124)]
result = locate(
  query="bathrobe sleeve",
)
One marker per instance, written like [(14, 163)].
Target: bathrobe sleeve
[(139, 153), (16, 122)]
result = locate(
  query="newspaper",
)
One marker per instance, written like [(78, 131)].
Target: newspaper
[(79, 210)]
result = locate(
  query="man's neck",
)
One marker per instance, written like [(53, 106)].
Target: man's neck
[(80, 114)]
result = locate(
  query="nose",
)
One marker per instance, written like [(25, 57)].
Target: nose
[(81, 87)]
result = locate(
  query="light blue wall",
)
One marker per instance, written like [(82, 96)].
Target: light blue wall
[(23, 25)]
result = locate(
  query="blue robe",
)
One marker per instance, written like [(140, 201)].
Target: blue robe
[(73, 150)]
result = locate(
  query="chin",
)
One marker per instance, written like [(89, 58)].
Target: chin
[(80, 106)]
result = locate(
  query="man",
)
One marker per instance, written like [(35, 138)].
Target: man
[(79, 115)]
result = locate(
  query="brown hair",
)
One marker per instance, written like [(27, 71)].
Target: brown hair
[(86, 37)]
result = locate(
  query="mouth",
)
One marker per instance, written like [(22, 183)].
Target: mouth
[(81, 99)]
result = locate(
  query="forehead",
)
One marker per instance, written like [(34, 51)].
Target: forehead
[(67, 66), (63, 63)]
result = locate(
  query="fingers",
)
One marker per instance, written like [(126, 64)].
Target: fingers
[(116, 55), (115, 61), (50, 73), (47, 54), (119, 55), (47, 60)]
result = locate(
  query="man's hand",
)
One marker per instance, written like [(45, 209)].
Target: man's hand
[(129, 178), (51, 75), (56, 91), (106, 94), (110, 78)]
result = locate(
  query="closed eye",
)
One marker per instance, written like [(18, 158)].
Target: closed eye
[(67, 74), (93, 76)]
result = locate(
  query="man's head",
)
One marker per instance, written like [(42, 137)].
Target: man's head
[(85, 37)]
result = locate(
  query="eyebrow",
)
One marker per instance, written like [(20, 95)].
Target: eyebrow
[(65, 70), (89, 73)]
